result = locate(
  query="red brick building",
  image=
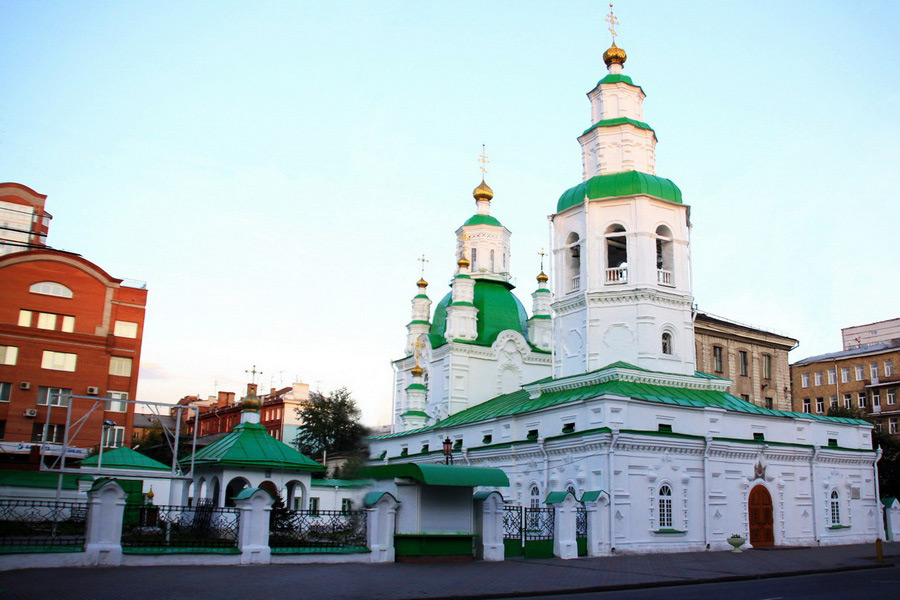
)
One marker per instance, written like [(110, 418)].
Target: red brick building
[(24, 223), (67, 327)]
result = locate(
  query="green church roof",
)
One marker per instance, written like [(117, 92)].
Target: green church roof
[(125, 458), (617, 79), (455, 475), (519, 402), (498, 310), (619, 121), (250, 445), (482, 220), (627, 183)]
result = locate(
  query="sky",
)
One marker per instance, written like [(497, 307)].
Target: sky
[(273, 170)]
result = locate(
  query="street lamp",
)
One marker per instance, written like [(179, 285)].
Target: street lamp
[(448, 451)]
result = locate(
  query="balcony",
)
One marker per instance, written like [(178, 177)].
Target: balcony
[(664, 277), (617, 275)]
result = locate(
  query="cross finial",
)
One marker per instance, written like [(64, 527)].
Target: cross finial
[(416, 345), (542, 254), (463, 238), (253, 372), (423, 260), (483, 159), (613, 23)]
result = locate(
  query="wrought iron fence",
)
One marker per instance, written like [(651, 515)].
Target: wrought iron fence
[(161, 526), (317, 529), (580, 522), (42, 523), (512, 522), (538, 523)]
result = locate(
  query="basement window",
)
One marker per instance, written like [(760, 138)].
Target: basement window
[(759, 437), (532, 434), (568, 428), (424, 448), (404, 452), (832, 442), (665, 428), (457, 445)]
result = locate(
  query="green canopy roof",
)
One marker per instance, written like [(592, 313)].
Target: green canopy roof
[(498, 310), (431, 474), (125, 458), (626, 183), (250, 445)]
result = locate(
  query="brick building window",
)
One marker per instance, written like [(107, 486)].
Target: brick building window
[(770, 404), (859, 372), (767, 366), (745, 397), (116, 402), (876, 399), (832, 401), (804, 380), (743, 363), (718, 366), (50, 288), (55, 433), (832, 376), (119, 365), (4, 391), (59, 361), (53, 396), (873, 370), (24, 318), (848, 400), (861, 399), (820, 405), (126, 329), (2, 429), (806, 405), (888, 368), (818, 377), (845, 374), (891, 396), (8, 355), (892, 425), (113, 437)]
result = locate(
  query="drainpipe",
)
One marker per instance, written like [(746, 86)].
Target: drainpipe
[(610, 487), (878, 506), (812, 483), (540, 444), (706, 442)]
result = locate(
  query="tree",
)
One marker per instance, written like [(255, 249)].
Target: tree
[(889, 465), (330, 425)]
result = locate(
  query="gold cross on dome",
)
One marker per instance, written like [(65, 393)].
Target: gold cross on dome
[(483, 159), (613, 22), (416, 345), (463, 238), (423, 260), (542, 254), (253, 372)]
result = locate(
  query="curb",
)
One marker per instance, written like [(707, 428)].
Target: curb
[(652, 584)]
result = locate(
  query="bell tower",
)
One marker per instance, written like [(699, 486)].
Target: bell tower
[(621, 245)]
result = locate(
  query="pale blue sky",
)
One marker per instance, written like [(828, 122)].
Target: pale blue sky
[(274, 169)]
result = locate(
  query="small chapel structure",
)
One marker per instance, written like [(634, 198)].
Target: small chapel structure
[(597, 393)]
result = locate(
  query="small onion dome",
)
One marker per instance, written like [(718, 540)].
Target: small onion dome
[(614, 55), (542, 277), (150, 494), (483, 192), (422, 283), (417, 371), (251, 403), (463, 261)]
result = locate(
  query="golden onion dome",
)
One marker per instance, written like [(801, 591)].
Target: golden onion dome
[(417, 371), (463, 261), (542, 277), (422, 283), (614, 55), (483, 191), (251, 403), (150, 494)]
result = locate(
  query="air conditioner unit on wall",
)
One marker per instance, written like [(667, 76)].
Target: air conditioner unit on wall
[(93, 390), (25, 385), (31, 412)]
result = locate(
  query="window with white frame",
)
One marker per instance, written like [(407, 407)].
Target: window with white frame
[(50, 288), (832, 401), (59, 361), (46, 321), (67, 324), (892, 425), (845, 374), (804, 380), (535, 497), (8, 355), (314, 505), (116, 402), (126, 329), (818, 377), (806, 405), (767, 366), (859, 372), (873, 370), (890, 396), (861, 399), (835, 508), (52, 433), (5, 389), (53, 396), (888, 368), (24, 318), (832, 376), (113, 436), (665, 507), (820, 405), (848, 400), (667, 343), (119, 365), (876, 399)]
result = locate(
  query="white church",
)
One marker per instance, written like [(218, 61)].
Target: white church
[(597, 392)]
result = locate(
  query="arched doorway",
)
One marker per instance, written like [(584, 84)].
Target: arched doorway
[(762, 530), (234, 488)]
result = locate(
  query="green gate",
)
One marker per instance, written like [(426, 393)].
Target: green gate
[(528, 531)]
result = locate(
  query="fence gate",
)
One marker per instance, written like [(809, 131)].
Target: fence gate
[(528, 531), (581, 530)]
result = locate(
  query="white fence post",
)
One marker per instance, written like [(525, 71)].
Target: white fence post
[(254, 506), (565, 544), (489, 522), (597, 504), (381, 522), (103, 530)]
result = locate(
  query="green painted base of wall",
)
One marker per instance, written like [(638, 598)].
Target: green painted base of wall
[(433, 545), (39, 549), (347, 550), (512, 548), (582, 546), (180, 551), (539, 549)]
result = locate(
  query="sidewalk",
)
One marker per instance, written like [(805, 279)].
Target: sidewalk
[(432, 581)]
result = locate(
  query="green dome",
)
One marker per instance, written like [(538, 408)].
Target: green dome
[(627, 183), (498, 310), (482, 220)]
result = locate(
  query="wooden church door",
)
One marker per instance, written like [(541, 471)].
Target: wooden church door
[(762, 531)]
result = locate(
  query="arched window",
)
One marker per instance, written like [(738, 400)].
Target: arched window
[(573, 262), (50, 288), (665, 260), (492, 262), (616, 255), (474, 255), (535, 500), (665, 507), (667, 343), (835, 508)]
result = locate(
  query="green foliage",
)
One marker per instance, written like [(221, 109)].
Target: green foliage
[(889, 465), (154, 443), (350, 469), (330, 424)]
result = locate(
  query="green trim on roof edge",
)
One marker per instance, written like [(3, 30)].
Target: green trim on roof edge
[(414, 413), (416, 386), (619, 121), (619, 78), (626, 183), (482, 220)]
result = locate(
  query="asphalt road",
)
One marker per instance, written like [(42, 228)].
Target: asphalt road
[(868, 584)]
